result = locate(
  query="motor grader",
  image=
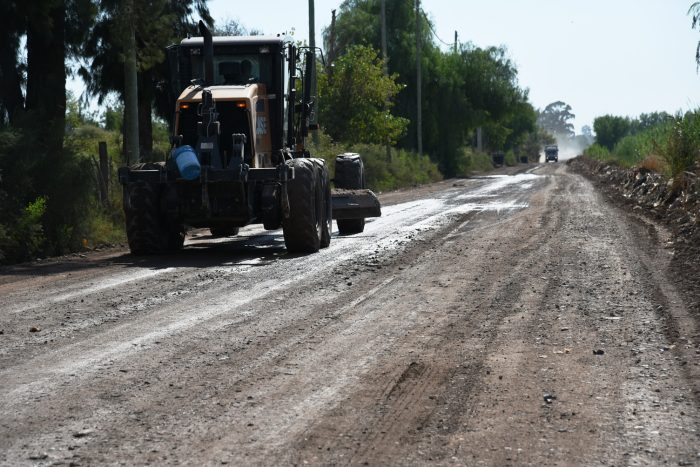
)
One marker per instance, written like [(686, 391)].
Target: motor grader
[(242, 112)]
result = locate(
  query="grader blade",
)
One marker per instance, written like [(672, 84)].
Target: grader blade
[(355, 204)]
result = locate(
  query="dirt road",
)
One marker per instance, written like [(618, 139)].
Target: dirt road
[(498, 320)]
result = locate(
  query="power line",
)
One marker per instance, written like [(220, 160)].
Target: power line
[(449, 44)]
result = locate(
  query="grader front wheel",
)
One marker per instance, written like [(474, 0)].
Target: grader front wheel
[(303, 228)]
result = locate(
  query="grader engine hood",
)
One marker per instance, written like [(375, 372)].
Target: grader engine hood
[(241, 109)]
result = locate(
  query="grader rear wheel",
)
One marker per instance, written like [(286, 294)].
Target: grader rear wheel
[(303, 228), (143, 228)]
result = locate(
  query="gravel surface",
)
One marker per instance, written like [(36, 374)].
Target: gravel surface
[(658, 201), (512, 319)]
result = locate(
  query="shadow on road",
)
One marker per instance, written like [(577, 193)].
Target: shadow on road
[(201, 251)]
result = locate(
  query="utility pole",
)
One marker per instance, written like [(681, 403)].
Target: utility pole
[(385, 54), (456, 41), (312, 26), (331, 46), (385, 65), (131, 112), (312, 43), (419, 111)]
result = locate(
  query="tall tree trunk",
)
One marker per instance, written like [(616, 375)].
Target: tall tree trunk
[(146, 95), (10, 87), (46, 75), (11, 96), (44, 122)]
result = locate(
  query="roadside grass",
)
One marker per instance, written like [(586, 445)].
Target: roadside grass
[(680, 148), (670, 148), (631, 150), (103, 222), (599, 153), (653, 163)]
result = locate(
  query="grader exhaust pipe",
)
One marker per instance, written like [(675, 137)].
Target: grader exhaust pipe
[(208, 54)]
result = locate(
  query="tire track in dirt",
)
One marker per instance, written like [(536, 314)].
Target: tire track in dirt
[(409, 402), (420, 345), (587, 420), (462, 376), (155, 391), (472, 412), (520, 348)]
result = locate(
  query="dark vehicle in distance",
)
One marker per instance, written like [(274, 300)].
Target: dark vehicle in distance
[(551, 153)]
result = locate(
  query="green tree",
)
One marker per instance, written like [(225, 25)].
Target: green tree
[(647, 121), (522, 121), (475, 87), (159, 24), (556, 118), (355, 100), (610, 129), (358, 23), (462, 89)]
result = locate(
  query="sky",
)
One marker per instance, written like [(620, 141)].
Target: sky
[(621, 57)]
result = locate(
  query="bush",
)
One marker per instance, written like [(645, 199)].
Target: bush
[(48, 200), (598, 152), (95, 224), (630, 150), (681, 147), (469, 160), (668, 144), (403, 169), (25, 239), (383, 171)]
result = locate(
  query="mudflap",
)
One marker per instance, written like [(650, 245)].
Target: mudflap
[(355, 204)]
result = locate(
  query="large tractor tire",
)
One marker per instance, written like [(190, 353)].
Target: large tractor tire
[(143, 226), (350, 226), (323, 191), (349, 171), (350, 175), (148, 229), (303, 228)]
